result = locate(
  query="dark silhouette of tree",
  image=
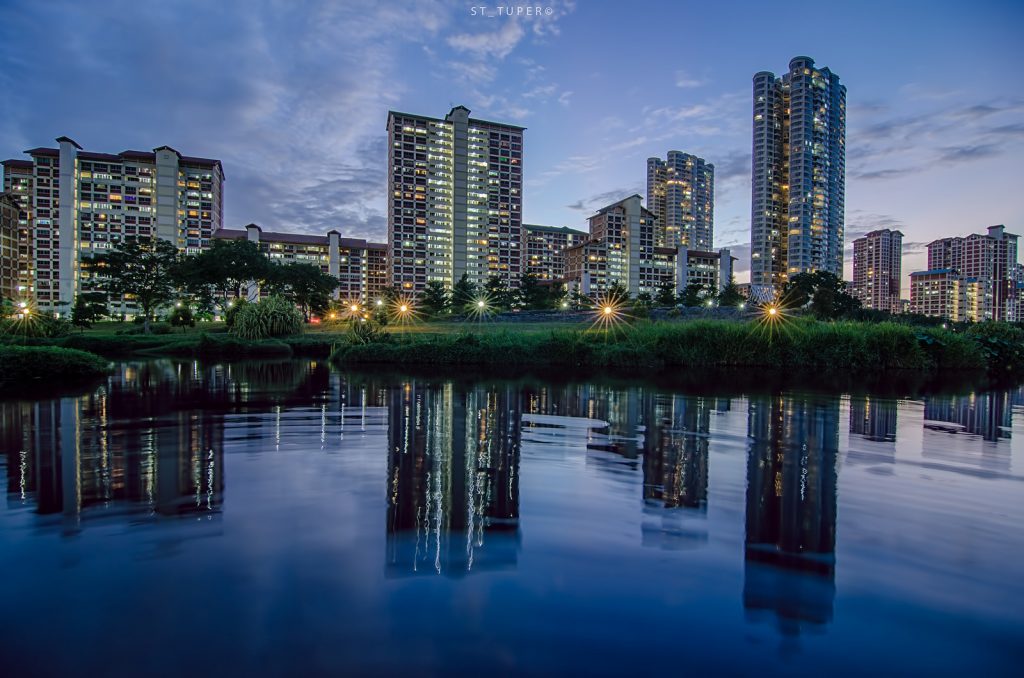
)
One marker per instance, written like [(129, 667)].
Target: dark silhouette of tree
[(89, 307), (142, 269)]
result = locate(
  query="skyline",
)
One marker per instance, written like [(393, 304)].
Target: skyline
[(304, 144)]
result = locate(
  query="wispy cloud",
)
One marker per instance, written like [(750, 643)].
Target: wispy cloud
[(602, 199), (685, 80)]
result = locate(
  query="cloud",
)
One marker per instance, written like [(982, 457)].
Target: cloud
[(563, 98), (495, 44), (968, 152), (882, 174), (684, 80), (599, 200)]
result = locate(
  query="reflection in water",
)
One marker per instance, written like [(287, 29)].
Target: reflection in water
[(453, 478), (791, 509), (631, 466)]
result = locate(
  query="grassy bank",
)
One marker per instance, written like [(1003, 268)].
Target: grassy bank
[(801, 344), (28, 366)]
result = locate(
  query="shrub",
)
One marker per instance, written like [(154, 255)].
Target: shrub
[(232, 313), (36, 326), (272, 317), (182, 317), (25, 366)]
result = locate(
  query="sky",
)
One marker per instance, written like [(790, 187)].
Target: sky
[(292, 96)]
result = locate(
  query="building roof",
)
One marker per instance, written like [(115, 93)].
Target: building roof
[(555, 229), (433, 119), (146, 156), (20, 164), (294, 238), (934, 271)]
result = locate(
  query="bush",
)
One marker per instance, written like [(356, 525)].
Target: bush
[(25, 366), (232, 313), (272, 317), (36, 326), (182, 317)]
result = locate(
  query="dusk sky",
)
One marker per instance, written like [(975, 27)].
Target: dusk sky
[(293, 97)]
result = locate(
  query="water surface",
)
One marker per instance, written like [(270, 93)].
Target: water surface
[(284, 518)]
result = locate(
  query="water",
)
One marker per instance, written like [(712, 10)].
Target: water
[(283, 518)]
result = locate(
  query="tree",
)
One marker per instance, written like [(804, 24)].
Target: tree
[(666, 295), (305, 285), (220, 271), (89, 307), (498, 293), (464, 293), (693, 295), (533, 295), (730, 294), (618, 293), (182, 317), (644, 300), (434, 298), (142, 269), (821, 292)]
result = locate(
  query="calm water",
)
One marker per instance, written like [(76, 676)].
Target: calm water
[(283, 518)]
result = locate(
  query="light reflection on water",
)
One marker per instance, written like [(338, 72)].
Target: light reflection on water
[(300, 518)]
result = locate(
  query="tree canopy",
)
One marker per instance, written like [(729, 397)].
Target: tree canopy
[(141, 269)]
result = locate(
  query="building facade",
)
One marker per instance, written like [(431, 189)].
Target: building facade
[(711, 270), (455, 191), (681, 193), (360, 266), (945, 293), (10, 210), (18, 182), (544, 250), (798, 174), (877, 270), (81, 202), (989, 259)]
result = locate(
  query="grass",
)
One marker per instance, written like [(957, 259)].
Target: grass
[(25, 366), (800, 344)]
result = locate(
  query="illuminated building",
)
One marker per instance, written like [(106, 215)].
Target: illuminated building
[(10, 210), (455, 200), (944, 293), (877, 270), (360, 266), (681, 192), (789, 565), (799, 174), (545, 248), (83, 202), (17, 182), (988, 259), (622, 248)]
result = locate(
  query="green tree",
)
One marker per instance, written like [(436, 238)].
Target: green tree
[(824, 294), (89, 307), (693, 295), (498, 293), (305, 285), (533, 295), (434, 299), (618, 293), (464, 293), (219, 273), (666, 295), (644, 300), (182, 317), (730, 294), (142, 269)]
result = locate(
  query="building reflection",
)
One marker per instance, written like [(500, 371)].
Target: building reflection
[(872, 432), (789, 566), (137, 444), (988, 414), (453, 478)]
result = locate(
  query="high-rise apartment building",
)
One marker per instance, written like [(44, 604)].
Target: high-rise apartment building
[(990, 259), (799, 174), (877, 270), (9, 212), (17, 183), (455, 189), (81, 202), (681, 192), (944, 293), (544, 250)]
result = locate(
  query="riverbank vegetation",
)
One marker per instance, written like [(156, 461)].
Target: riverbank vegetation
[(27, 366)]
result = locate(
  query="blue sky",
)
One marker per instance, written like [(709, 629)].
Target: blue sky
[(293, 97)]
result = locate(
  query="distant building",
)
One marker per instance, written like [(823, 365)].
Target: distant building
[(877, 270), (944, 293), (455, 192), (544, 250), (360, 266), (9, 260), (18, 181), (80, 203), (681, 192), (799, 174), (988, 259), (712, 270)]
